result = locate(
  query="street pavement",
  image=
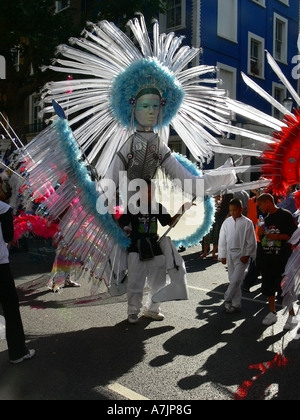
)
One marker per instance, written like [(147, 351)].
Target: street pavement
[(86, 350)]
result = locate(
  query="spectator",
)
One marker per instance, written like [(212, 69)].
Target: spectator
[(253, 214), (224, 207), (279, 225), (213, 235), (221, 213), (288, 201), (15, 337), (237, 244), (2, 192), (243, 196)]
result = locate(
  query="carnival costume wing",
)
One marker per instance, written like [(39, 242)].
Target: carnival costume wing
[(88, 238)]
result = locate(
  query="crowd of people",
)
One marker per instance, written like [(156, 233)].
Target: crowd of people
[(253, 244), (265, 228), (249, 234)]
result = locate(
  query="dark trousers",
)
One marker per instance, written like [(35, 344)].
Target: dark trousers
[(254, 269), (9, 300)]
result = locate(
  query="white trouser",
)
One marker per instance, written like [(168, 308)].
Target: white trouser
[(154, 271), (236, 274)]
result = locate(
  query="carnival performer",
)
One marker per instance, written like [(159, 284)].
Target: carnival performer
[(122, 80), (144, 153)]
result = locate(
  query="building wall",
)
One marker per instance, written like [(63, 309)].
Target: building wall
[(256, 19), (217, 50), (200, 28)]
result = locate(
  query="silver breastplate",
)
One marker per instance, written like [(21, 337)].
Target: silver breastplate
[(145, 157)]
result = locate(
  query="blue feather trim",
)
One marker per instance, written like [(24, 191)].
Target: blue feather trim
[(209, 209), (141, 74), (85, 183)]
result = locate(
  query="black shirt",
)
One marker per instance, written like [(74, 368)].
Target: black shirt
[(145, 225), (7, 225), (280, 222)]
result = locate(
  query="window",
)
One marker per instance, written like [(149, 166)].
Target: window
[(279, 93), (227, 75), (227, 19), (280, 38), (2, 67), (61, 5), (35, 121), (175, 16), (176, 146), (255, 55), (260, 2), (15, 52)]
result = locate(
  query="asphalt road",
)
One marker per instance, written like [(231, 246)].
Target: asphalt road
[(86, 350)]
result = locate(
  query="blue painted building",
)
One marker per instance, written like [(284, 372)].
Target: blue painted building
[(234, 35)]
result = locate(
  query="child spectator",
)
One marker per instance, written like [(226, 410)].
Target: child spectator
[(237, 244)]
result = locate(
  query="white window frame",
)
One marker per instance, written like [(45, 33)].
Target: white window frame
[(233, 72), (283, 51), (278, 88), (61, 5), (231, 90), (260, 55), (163, 18), (260, 2), (227, 19), (34, 110)]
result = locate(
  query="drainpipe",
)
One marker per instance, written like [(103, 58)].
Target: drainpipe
[(196, 28)]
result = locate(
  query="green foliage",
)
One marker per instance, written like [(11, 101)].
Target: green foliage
[(33, 29), (120, 11)]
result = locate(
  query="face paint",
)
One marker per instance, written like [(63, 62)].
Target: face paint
[(147, 110)]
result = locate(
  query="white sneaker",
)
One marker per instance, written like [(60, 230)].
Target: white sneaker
[(291, 323), (158, 316), (270, 319), (71, 283), (28, 355), (133, 319)]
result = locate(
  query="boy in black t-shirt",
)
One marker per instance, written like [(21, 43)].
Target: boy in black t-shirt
[(145, 258)]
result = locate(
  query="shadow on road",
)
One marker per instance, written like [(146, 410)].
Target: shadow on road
[(244, 354), (76, 365)]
